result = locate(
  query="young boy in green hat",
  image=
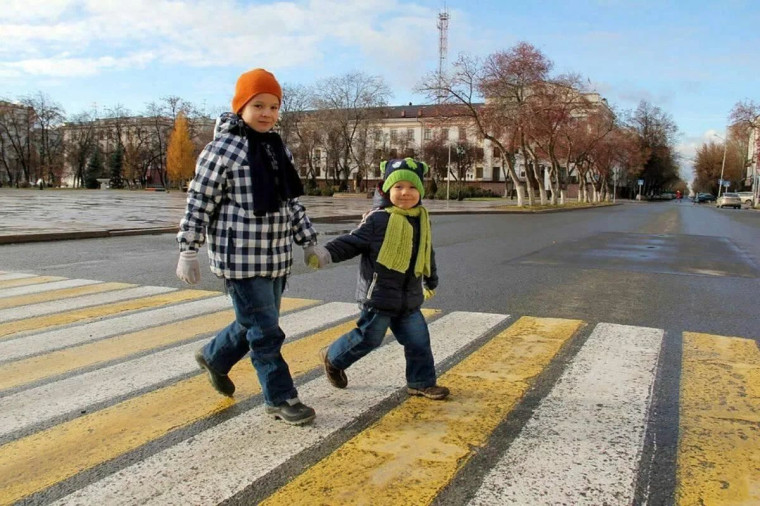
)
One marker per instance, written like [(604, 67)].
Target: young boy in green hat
[(397, 273)]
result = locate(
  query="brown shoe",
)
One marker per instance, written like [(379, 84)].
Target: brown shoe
[(336, 377), (435, 392)]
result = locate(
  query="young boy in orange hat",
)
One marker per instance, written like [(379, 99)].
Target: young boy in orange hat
[(397, 272), (243, 201)]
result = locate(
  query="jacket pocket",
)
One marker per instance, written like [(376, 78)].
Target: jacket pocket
[(372, 286)]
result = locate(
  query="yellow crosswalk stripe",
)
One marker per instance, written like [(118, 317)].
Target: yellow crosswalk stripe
[(88, 313), (63, 293), (10, 283), (40, 460), (69, 359), (719, 428), (410, 454)]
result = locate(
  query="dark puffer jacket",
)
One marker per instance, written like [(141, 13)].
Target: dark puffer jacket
[(378, 287)]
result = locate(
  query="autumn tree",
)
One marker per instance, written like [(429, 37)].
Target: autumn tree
[(79, 145), (180, 159)]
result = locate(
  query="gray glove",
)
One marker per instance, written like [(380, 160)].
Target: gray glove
[(316, 257), (188, 267)]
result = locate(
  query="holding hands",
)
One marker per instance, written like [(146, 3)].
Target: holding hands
[(316, 257)]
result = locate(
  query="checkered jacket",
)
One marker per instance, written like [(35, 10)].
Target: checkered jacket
[(220, 210)]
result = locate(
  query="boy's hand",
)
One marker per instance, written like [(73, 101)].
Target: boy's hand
[(427, 293), (316, 257), (188, 267)]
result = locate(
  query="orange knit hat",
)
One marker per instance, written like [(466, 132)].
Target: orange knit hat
[(252, 83)]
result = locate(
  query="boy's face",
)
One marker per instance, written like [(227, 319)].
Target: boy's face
[(404, 195), (261, 112)]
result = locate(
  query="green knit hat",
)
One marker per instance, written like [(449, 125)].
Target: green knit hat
[(407, 169)]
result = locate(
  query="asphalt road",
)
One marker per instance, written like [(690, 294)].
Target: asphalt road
[(664, 264), (641, 287)]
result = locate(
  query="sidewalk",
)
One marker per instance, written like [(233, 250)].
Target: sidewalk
[(49, 215)]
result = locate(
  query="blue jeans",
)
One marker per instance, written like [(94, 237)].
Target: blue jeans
[(256, 329), (410, 330)]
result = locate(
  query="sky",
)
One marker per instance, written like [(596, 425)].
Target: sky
[(694, 59)]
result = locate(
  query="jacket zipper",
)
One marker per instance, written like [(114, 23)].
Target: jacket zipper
[(372, 286)]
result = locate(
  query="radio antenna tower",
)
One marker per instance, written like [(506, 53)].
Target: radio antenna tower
[(443, 36)]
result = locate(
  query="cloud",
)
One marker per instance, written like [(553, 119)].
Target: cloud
[(96, 35), (73, 67)]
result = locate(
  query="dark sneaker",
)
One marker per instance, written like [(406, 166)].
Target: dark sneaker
[(336, 377), (292, 411), (435, 392), (221, 382)]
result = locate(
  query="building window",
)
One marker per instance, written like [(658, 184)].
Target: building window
[(445, 134), (478, 172), (410, 134), (462, 134), (394, 135), (378, 136), (495, 153), (428, 135), (496, 173)]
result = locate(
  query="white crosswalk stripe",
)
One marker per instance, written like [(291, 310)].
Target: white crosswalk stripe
[(46, 308), (45, 287), (583, 442), (51, 340)]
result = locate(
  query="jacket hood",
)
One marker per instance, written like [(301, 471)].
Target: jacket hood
[(227, 123)]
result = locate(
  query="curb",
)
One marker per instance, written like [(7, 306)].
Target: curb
[(84, 234)]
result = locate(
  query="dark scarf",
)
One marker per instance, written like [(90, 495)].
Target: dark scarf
[(273, 177)]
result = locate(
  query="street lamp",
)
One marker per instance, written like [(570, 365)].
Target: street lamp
[(723, 164)]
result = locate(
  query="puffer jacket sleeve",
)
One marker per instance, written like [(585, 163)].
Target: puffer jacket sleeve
[(432, 281), (348, 246), (203, 197), (303, 231)]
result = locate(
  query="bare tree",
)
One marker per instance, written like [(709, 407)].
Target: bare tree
[(47, 140), (79, 144), (16, 142), (352, 101)]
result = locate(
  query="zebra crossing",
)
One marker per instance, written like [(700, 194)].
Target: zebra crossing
[(101, 402)]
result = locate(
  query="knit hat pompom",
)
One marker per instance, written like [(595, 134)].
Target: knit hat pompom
[(250, 84), (406, 169)]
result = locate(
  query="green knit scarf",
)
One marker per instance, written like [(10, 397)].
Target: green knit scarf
[(396, 251)]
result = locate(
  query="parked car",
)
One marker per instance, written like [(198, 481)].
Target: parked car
[(704, 197), (729, 200), (746, 197)]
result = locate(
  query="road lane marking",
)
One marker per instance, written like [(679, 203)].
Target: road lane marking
[(51, 364), (583, 443), (57, 295), (37, 405), (89, 313), (40, 460), (410, 454), (15, 275), (70, 304), (11, 283), (51, 340), (246, 447), (719, 428), (45, 287)]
